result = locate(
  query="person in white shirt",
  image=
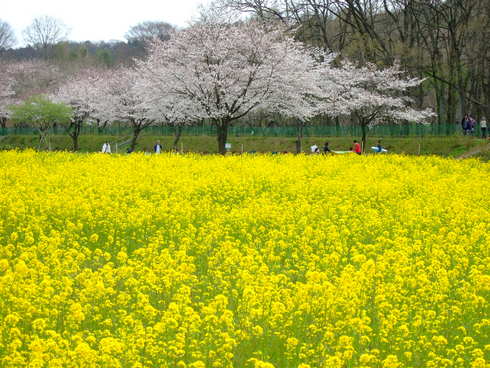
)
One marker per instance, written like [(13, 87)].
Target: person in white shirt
[(157, 148), (483, 127), (315, 149), (106, 147)]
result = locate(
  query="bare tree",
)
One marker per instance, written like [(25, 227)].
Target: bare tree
[(147, 31), (44, 32), (7, 36)]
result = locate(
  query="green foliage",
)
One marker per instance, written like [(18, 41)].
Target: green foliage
[(105, 57), (41, 113)]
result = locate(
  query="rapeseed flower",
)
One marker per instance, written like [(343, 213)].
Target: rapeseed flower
[(250, 261)]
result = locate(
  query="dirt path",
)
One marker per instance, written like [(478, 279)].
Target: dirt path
[(475, 151)]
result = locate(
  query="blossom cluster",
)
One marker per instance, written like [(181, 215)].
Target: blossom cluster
[(246, 261)]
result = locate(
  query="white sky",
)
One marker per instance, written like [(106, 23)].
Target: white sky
[(98, 20)]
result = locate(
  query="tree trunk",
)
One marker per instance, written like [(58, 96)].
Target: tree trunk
[(299, 139), (177, 134), (222, 135), (101, 127), (3, 122), (74, 139), (136, 133), (42, 138), (74, 134), (451, 95), (440, 102), (337, 126), (364, 135)]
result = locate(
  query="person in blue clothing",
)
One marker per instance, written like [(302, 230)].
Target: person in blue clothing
[(326, 148), (157, 148), (465, 124)]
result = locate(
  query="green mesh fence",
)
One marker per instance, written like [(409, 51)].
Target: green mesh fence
[(394, 130)]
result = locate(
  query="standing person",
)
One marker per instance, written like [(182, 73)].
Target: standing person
[(157, 148), (471, 125), (326, 148), (483, 127), (464, 124), (106, 147), (357, 147)]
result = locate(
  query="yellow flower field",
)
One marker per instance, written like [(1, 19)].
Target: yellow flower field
[(245, 261)]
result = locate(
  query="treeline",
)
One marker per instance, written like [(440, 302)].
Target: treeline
[(83, 54), (443, 41), (46, 38)]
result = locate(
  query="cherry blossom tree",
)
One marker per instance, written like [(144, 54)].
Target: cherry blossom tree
[(174, 113), (374, 96), (80, 93), (7, 83), (225, 71), (169, 109), (121, 99), (21, 80)]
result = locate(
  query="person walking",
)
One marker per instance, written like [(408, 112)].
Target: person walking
[(106, 147), (483, 127), (157, 148), (357, 147), (326, 148)]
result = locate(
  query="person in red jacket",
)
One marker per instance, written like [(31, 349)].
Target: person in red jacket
[(356, 148)]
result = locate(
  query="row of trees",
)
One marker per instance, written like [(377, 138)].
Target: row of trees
[(442, 41), (46, 38), (46, 31), (222, 72)]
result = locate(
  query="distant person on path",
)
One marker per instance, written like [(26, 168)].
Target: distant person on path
[(465, 124), (326, 148), (357, 147), (379, 147), (483, 127), (157, 148), (314, 148), (472, 125), (106, 147)]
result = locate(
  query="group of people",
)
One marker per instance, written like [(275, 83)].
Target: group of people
[(356, 148), (468, 124), (157, 148)]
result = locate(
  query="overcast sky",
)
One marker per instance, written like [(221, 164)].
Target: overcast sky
[(98, 20)]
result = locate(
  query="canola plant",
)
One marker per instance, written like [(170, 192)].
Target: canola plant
[(246, 261)]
